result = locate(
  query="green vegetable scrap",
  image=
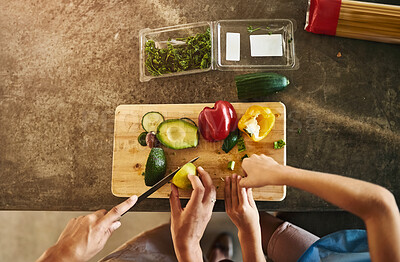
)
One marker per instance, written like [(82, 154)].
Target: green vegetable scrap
[(279, 144), (250, 29), (142, 139), (241, 145), (195, 54), (231, 165), (231, 140), (243, 157)]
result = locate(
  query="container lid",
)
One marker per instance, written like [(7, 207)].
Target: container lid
[(256, 44)]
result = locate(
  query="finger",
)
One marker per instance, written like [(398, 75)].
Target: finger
[(242, 195), (114, 226), (228, 199), (174, 201), (100, 213), (198, 191), (235, 200), (115, 213), (250, 197), (209, 187)]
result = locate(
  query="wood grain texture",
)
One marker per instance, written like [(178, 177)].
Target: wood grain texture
[(129, 157)]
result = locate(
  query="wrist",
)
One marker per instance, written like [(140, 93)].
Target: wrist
[(283, 174), (250, 236), (188, 251), (56, 253)]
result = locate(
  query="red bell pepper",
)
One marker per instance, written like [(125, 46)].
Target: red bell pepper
[(216, 123)]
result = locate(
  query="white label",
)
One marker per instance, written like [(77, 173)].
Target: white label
[(232, 46), (266, 45)]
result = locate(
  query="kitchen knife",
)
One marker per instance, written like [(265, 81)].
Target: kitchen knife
[(158, 185)]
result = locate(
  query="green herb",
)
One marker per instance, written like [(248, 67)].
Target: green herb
[(290, 40), (279, 144), (243, 157), (268, 27), (241, 145), (231, 165), (231, 140), (250, 29), (299, 130), (195, 54), (270, 33)]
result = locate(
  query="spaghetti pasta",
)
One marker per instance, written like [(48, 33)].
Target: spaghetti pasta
[(354, 19)]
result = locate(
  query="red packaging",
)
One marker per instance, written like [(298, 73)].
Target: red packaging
[(322, 16)]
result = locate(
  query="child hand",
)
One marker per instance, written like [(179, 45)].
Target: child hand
[(261, 170), (240, 206)]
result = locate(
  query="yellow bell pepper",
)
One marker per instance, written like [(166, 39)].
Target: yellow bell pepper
[(257, 122)]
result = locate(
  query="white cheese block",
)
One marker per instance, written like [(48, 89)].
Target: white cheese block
[(232, 46), (266, 45)]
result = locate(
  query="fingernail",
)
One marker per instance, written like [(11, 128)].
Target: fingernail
[(199, 167), (134, 197), (116, 225), (234, 176), (239, 177)]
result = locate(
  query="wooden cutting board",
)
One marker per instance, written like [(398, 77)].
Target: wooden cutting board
[(129, 157)]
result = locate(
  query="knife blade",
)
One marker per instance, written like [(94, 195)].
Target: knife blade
[(158, 185)]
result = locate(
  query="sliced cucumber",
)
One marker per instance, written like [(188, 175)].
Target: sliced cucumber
[(142, 139), (151, 120)]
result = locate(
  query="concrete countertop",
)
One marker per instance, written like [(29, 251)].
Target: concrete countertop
[(66, 65)]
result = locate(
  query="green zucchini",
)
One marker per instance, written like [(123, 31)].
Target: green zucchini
[(151, 120), (257, 85), (142, 139)]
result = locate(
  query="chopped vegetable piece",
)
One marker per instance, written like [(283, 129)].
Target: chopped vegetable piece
[(231, 141), (299, 130), (151, 120), (250, 29), (151, 140), (194, 53), (231, 165), (257, 122), (279, 144), (142, 139), (243, 157), (241, 145)]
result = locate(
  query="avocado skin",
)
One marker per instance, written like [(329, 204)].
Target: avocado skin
[(156, 166)]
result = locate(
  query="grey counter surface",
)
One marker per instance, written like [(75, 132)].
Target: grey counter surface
[(66, 65)]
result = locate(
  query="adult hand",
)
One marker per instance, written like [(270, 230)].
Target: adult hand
[(188, 224), (261, 170), (85, 236), (242, 210)]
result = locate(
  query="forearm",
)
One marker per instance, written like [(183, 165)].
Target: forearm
[(373, 203), (55, 253), (356, 196), (188, 253), (251, 246)]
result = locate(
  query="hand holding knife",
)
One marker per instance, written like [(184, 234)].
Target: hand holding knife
[(158, 185)]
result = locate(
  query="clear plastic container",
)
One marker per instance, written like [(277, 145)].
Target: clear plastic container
[(218, 32)]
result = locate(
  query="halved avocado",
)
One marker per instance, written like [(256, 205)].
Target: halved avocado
[(177, 134)]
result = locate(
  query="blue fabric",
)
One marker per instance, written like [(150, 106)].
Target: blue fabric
[(343, 246)]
